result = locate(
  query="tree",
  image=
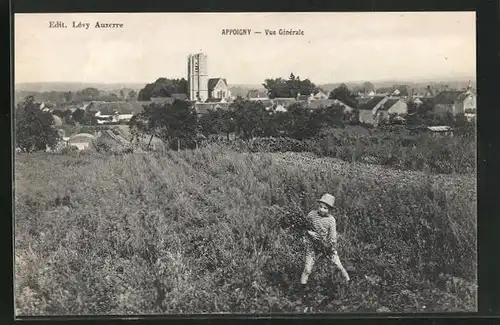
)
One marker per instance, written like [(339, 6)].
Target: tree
[(300, 123), (403, 89), (78, 115), (289, 88), (249, 118), (276, 88), (34, 128), (132, 95), (163, 87), (68, 96), (216, 122), (175, 124), (89, 93), (343, 94), (122, 93), (367, 87)]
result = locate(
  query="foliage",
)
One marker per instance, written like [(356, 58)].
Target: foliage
[(218, 121), (343, 94), (289, 88), (89, 93), (34, 130), (401, 149), (89, 118), (132, 95), (163, 87), (250, 118), (78, 115), (175, 124)]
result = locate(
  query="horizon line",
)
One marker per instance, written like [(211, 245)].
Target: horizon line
[(409, 79)]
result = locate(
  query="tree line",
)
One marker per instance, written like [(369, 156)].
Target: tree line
[(179, 124), (56, 99)]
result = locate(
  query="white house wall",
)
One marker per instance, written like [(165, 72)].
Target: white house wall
[(366, 116), (399, 108), (220, 86)]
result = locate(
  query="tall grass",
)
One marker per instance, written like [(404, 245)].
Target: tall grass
[(395, 148), (210, 230)]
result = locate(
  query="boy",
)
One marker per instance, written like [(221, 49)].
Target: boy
[(321, 237)]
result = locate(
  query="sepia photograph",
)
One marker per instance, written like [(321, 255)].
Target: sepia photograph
[(244, 163)]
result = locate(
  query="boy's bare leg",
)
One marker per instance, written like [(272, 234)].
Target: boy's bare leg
[(336, 261), (307, 268)]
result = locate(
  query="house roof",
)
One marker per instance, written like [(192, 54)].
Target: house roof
[(82, 137), (448, 97), (303, 97), (442, 128), (212, 82), (320, 94), (112, 107), (57, 120), (180, 96), (389, 103), (325, 103), (285, 101), (372, 103), (463, 96), (202, 108), (213, 100), (138, 106), (266, 102)]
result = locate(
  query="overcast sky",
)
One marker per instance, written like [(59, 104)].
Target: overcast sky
[(336, 47)]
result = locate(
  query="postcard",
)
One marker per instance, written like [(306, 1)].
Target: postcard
[(245, 163)]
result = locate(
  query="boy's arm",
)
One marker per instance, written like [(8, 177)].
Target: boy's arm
[(332, 234), (309, 224)]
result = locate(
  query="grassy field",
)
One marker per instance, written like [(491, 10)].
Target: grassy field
[(210, 230)]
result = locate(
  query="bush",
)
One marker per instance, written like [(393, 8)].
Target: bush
[(396, 147)]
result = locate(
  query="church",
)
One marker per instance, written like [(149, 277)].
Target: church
[(200, 87)]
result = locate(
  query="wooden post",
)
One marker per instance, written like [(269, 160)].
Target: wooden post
[(178, 144)]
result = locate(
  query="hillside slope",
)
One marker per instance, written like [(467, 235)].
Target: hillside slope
[(207, 231)]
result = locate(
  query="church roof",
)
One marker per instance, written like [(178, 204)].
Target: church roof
[(212, 82)]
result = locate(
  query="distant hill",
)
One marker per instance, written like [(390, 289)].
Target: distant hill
[(75, 86), (239, 89), (457, 83)]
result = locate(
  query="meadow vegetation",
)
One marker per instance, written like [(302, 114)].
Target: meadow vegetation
[(216, 230)]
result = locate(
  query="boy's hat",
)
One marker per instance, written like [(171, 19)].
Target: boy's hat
[(328, 199)]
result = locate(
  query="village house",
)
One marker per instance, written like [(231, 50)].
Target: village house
[(57, 120), (82, 141), (281, 104), (380, 108), (328, 103), (170, 99), (305, 98), (319, 96), (255, 94), (268, 103), (455, 102), (114, 112), (392, 106), (203, 108), (367, 110), (217, 88)]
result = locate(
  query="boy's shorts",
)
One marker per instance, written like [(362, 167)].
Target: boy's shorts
[(318, 248)]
